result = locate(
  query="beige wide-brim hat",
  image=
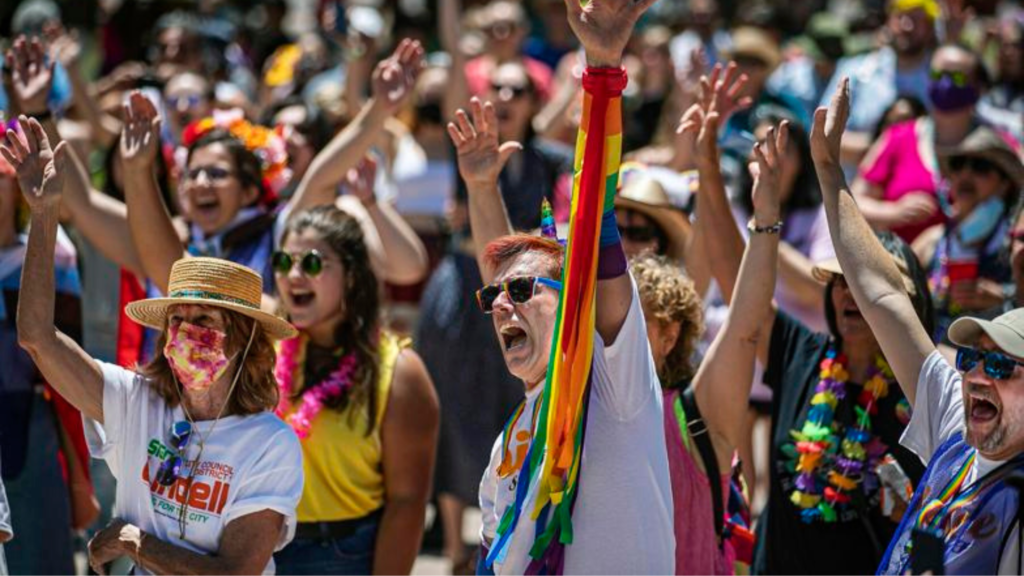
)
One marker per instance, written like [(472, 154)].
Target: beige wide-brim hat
[(984, 142), (211, 282), (1007, 331), (825, 270), (645, 195)]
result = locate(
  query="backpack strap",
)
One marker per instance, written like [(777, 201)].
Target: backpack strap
[(699, 433)]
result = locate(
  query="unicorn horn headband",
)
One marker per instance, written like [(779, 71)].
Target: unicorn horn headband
[(547, 222)]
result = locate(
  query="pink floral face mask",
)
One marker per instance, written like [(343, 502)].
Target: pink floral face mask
[(196, 355)]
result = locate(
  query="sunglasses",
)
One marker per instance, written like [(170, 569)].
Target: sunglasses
[(510, 92), (979, 166), (997, 365), (638, 233), (213, 173), (170, 469), (311, 263), (959, 78), (519, 291), (189, 101)]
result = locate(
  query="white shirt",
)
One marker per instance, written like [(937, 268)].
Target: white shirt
[(938, 414), (249, 464), (622, 522)]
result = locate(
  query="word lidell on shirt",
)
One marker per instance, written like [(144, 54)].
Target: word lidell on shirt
[(204, 496)]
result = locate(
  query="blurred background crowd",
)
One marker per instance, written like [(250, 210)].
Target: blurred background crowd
[(933, 151)]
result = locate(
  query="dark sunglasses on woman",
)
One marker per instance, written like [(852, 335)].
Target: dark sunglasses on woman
[(980, 166), (170, 469), (638, 233), (998, 366), (311, 263), (519, 290)]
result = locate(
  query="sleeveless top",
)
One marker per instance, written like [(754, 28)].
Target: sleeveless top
[(342, 464), (697, 550), (979, 520)]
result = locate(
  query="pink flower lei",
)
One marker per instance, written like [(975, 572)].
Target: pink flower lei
[(290, 360)]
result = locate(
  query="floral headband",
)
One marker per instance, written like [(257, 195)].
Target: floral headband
[(267, 144)]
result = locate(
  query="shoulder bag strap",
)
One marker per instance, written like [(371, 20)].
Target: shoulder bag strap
[(699, 433)]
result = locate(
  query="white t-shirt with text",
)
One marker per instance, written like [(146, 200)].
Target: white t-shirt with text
[(622, 522), (938, 415), (249, 464)]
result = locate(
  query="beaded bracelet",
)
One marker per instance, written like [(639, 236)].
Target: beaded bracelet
[(771, 229)]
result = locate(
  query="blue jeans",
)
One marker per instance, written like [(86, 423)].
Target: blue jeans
[(350, 555)]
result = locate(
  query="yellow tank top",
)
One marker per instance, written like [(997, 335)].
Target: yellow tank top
[(343, 467)]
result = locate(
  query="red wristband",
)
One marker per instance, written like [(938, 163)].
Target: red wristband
[(608, 82)]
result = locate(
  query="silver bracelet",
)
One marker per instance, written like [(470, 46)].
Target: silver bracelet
[(772, 229)]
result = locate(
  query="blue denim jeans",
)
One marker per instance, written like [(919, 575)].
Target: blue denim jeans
[(350, 555)]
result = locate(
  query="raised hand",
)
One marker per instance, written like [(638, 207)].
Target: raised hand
[(721, 91), (360, 181), (393, 79), (481, 158), (40, 169), (604, 27), (829, 124), (685, 153), (31, 75), (65, 46), (140, 135), (765, 170)]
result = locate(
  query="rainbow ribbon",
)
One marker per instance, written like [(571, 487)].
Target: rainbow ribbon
[(555, 456)]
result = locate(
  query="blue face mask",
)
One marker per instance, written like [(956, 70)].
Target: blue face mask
[(981, 221)]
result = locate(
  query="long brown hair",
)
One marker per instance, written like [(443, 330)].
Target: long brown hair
[(256, 390), (358, 332)]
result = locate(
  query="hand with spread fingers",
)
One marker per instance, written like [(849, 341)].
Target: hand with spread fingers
[(829, 124), (722, 91), (604, 27), (360, 181), (140, 136), (685, 143), (394, 78), (480, 156), (40, 168), (31, 75), (765, 171), (65, 45)]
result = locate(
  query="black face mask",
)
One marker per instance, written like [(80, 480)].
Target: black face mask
[(429, 113)]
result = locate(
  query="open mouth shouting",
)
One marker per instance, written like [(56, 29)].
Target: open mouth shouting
[(513, 338), (983, 408), (301, 297)]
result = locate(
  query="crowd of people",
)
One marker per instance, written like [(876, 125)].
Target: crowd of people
[(704, 287)]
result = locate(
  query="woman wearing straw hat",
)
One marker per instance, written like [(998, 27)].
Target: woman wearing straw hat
[(208, 477)]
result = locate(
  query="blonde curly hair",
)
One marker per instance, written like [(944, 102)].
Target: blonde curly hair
[(668, 296)]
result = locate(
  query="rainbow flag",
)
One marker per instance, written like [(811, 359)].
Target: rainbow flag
[(557, 449)]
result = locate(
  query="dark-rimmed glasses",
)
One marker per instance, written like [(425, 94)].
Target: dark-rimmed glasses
[(311, 262), (519, 290)]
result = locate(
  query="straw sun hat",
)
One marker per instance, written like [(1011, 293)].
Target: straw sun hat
[(211, 282)]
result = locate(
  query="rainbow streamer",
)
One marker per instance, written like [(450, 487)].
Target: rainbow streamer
[(547, 221), (558, 443)]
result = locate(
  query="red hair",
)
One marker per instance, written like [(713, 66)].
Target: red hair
[(502, 250)]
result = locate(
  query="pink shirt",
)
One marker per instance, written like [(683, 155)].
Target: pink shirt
[(697, 549), (905, 164)]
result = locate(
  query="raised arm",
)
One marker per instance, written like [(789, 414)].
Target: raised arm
[(393, 80), (874, 280), (63, 363), (723, 382), (66, 48), (481, 160), (153, 233), (449, 30), (603, 27), (398, 252)]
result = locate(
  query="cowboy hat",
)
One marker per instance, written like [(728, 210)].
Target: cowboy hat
[(826, 270), (645, 195), (211, 282), (984, 142)]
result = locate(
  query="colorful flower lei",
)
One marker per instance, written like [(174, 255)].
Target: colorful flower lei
[(820, 458), (291, 358), (267, 144)]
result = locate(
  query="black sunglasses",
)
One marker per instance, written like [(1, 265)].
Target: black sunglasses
[(311, 262), (638, 233), (519, 290), (170, 468), (997, 365), (980, 166), (516, 91)]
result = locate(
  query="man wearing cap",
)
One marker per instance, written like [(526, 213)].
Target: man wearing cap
[(968, 421), (965, 257), (805, 76), (897, 69)]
